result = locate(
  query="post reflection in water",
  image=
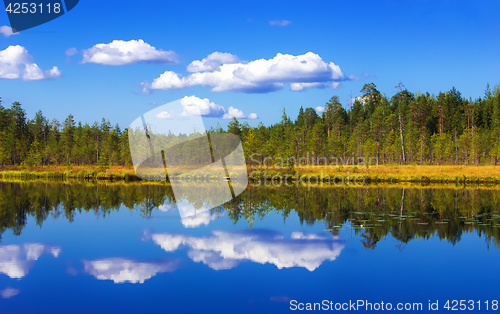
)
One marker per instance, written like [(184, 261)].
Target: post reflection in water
[(122, 243)]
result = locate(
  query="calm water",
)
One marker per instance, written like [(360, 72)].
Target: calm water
[(87, 248)]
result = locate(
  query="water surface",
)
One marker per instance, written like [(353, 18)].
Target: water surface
[(122, 248)]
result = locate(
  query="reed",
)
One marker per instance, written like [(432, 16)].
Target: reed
[(388, 173)]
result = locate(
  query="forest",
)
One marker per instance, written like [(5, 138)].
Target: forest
[(407, 128)]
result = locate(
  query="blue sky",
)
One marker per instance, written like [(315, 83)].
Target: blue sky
[(430, 45)]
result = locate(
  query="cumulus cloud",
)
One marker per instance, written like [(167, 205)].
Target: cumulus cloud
[(120, 52), (280, 22), (165, 115), (336, 85), (320, 109), (234, 113), (16, 62), (361, 99), (302, 86), (226, 249), (71, 52), (195, 106), (16, 260), (9, 292), (121, 270), (7, 31), (212, 62), (168, 80), (258, 76)]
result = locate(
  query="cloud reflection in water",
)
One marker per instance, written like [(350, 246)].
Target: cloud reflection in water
[(201, 217), (121, 270), (226, 249), (16, 260)]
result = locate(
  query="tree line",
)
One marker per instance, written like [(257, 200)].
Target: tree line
[(407, 128), (39, 141)]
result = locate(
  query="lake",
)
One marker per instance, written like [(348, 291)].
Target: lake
[(83, 247)]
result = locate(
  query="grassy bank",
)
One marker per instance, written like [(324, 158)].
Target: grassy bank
[(386, 173), (75, 172), (381, 174)]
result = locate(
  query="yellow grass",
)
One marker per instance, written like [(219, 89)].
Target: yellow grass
[(381, 173), (77, 172), (408, 173)]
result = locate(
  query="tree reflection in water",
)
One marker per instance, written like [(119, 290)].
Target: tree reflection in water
[(373, 212)]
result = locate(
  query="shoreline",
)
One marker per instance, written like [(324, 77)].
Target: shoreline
[(425, 174)]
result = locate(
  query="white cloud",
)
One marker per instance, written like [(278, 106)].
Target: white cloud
[(202, 218), (119, 52), (16, 260), (71, 52), (301, 86), (320, 109), (238, 114), (9, 292), (6, 31), (55, 251), (165, 115), (258, 76), (167, 207), (226, 249), (194, 106), (280, 22), (213, 259), (15, 62), (233, 112), (166, 81), (212, 62), (308, 236), (121, 270), (361, 99)]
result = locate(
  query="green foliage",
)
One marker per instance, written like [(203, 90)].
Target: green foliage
[(38, 142), (425, 129), (103, 163)]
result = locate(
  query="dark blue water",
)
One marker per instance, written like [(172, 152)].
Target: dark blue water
[(125, 263)]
